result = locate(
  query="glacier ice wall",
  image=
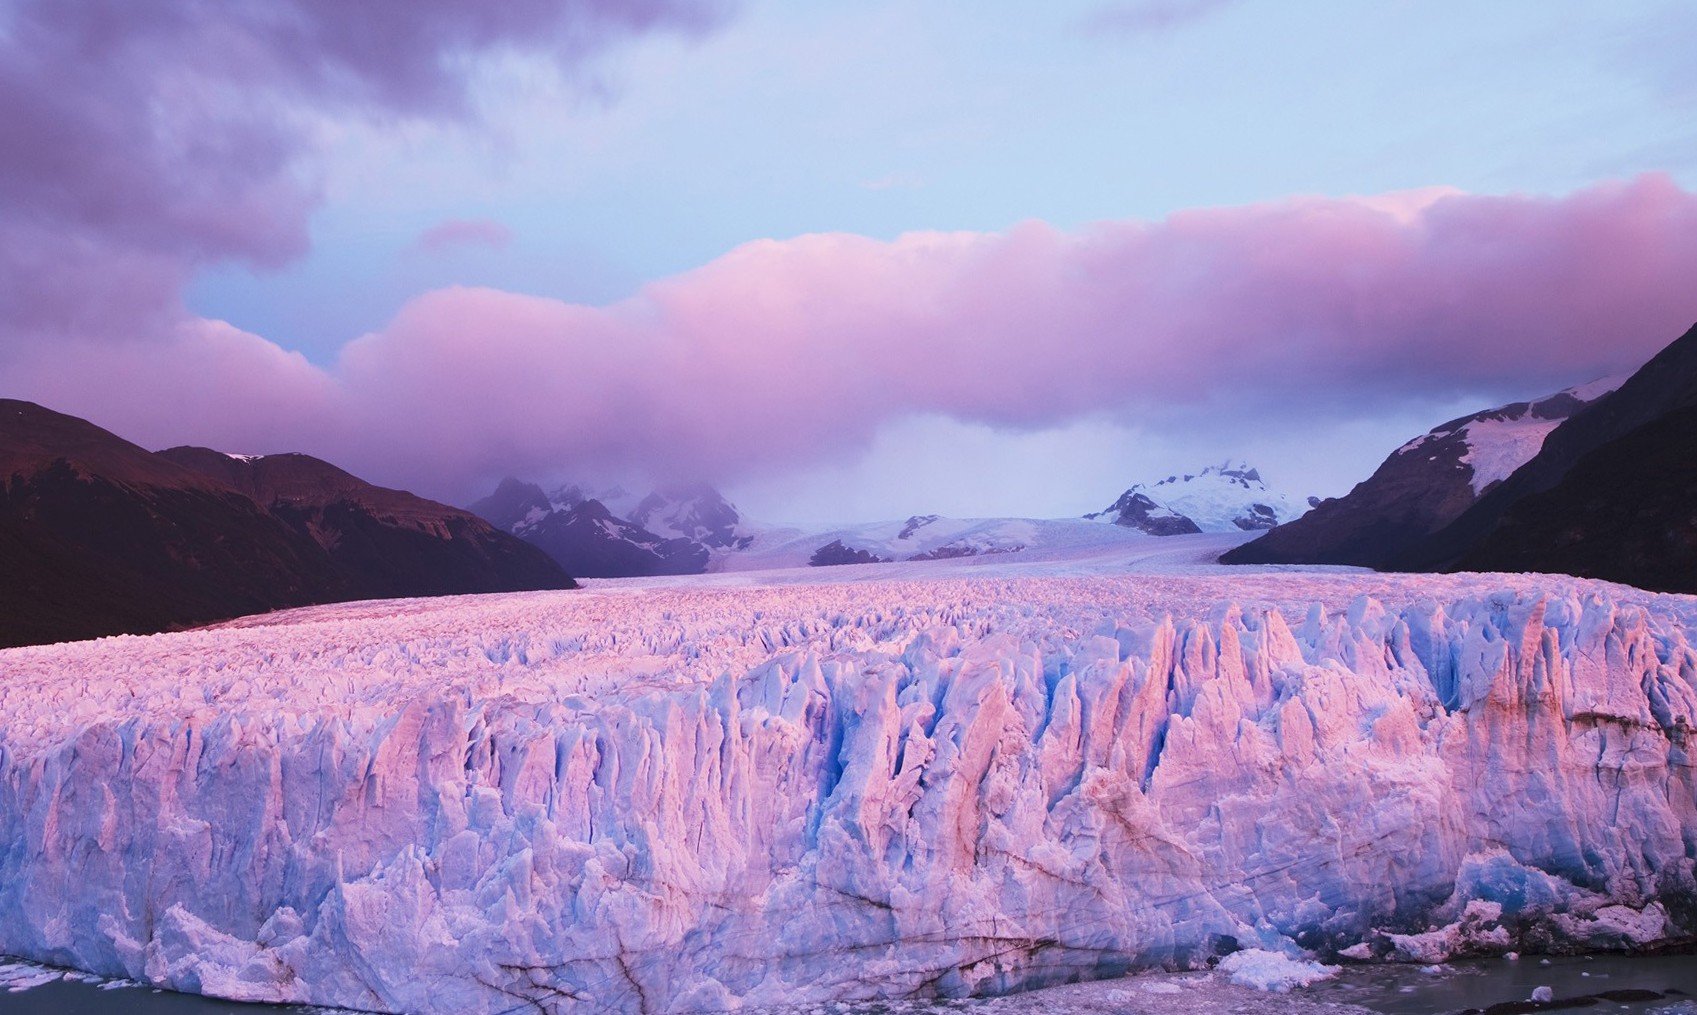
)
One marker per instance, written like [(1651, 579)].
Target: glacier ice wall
[(665, 801)]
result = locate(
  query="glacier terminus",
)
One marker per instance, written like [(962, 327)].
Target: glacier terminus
[(716, 791)]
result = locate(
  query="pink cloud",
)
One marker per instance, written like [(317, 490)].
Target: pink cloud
[(1291, 314), (463, 233)]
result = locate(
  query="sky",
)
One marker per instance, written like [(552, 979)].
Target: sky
[(844, 260)]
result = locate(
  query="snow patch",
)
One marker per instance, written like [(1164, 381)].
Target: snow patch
[(1497, 447)]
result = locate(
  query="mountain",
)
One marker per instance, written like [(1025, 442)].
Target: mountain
[(673, 530), (1609, 495), (930, 537), (99, 536), (385, 543), (513, 505), (696, 512), (920, 537), (835, 554), (1229, 497), (1422, 487), (1626, 511), (1135, 510), (594, 543)]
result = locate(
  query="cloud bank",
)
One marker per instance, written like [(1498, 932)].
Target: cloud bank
[(785, 353)]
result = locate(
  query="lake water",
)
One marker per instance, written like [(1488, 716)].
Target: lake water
[(72, 998), (1389, 989), (1480, 983)]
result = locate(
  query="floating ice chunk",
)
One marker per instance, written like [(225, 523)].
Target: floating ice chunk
[(1264, 970), (1543, 994), (17, 977)]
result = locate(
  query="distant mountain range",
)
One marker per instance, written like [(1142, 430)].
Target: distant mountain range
[(1590, 482), (1230, 497), (99, 536), (608, 534), (692, 528)]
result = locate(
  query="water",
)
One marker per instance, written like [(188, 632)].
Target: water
[(65, 998), (78, 996), (1388, 989), (1480, 983)]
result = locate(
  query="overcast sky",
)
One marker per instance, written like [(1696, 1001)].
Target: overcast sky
[(846, 260)]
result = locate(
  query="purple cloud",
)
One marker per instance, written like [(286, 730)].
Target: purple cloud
[(463, 233), (146, 137), (781, 353)]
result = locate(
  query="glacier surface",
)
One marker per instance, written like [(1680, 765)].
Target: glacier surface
[(703, 794)]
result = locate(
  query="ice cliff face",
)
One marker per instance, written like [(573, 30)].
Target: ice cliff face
[(667, 800)]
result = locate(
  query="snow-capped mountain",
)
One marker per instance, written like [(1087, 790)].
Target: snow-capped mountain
[(916, 538), (1489, 445), (693, 511), (602, 545), (1136, 510), (1609, 493), (732, 793), (1229, 497), (1423, 486), (611, 534), (616, 499)]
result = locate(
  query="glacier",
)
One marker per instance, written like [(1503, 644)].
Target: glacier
[(736, 790)]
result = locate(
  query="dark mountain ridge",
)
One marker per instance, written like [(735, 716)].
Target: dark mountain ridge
[(1421, 487), (99, 536), (1610, 494)]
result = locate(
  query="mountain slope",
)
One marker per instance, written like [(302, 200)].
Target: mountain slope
[(387, 543), (99, 536), (1607, 495), (591, 542), (1423, 486), (1626, 511), (1136, 510), (694, 511)]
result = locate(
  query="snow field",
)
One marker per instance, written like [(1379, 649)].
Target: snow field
[(705, 796)]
